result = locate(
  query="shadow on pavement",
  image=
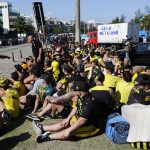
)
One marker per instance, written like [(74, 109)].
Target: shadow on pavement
[(11, 142), (4, 57), (12, 125)]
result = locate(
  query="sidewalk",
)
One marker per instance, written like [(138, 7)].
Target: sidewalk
[(7, 65)]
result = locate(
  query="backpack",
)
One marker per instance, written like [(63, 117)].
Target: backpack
[(117, 128)]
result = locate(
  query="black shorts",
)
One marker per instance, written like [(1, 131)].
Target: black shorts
[(30, 100), (66, 111)]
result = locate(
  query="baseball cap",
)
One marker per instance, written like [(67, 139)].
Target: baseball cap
[(24, 66), (4, 82)]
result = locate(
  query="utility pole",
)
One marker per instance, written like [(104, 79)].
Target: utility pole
[(77, 22)]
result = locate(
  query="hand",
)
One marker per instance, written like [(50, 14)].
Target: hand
[(49, 99), (64, 123), (38, 59), (2, 92)]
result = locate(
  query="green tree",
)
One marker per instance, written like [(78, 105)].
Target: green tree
[(91, 27), (122, 18), (72, 28), (138, 16), (29, 29), (118, 19), (145, 22), (57, 30), (20, 25)]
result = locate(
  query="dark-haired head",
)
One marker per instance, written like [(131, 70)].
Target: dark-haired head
[(100, 77), (36, 71), (127, 76), (15, 76)]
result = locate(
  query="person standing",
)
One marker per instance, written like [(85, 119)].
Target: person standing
[(37, 51)]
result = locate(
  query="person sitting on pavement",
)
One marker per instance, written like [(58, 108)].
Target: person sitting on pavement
[(19, 70), (110, 80), (76, 124), (63, 108), (67, 74), (140, 93), (42, 92), (29, 97), (147, 70), (124, 88), (84, 120), (9, 100), (18, 85)]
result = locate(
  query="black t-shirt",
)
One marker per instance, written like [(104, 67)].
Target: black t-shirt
[(35, 49), (126, 69), (101, 94), (139, 96), (90, 109), (86, 108)]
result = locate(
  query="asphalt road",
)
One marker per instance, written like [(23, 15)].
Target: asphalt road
[(6, 61), (14, 48)]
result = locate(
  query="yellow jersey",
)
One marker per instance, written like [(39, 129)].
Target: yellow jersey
[(123, 90), (20, 87), (111, 81), (11, 101)]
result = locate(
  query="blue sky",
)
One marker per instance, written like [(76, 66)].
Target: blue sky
[(98, 10)]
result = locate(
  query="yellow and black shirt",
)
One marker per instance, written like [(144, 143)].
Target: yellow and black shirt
[(139, 96), (64, 82), (91, 105), (11, 101)]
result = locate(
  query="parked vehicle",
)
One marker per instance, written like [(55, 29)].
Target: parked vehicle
[(143, 34), (139, 54), (12, 41), (84, 38), (92, 37), (113, 34), (3, 42)]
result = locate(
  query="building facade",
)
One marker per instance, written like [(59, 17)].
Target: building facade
[(8, 16)]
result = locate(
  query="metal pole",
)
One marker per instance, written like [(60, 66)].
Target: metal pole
[(20, 54), (77, 27), (13, 59)]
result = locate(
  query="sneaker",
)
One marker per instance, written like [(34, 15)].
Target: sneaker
[(6, 115), (47, 116), (33, 117), (38, 128), (42, 138)]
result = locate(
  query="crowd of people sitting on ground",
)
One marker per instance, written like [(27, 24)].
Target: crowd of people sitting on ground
[(83, 85)]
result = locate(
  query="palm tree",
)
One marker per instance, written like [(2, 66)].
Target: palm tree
[(20, 25)]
